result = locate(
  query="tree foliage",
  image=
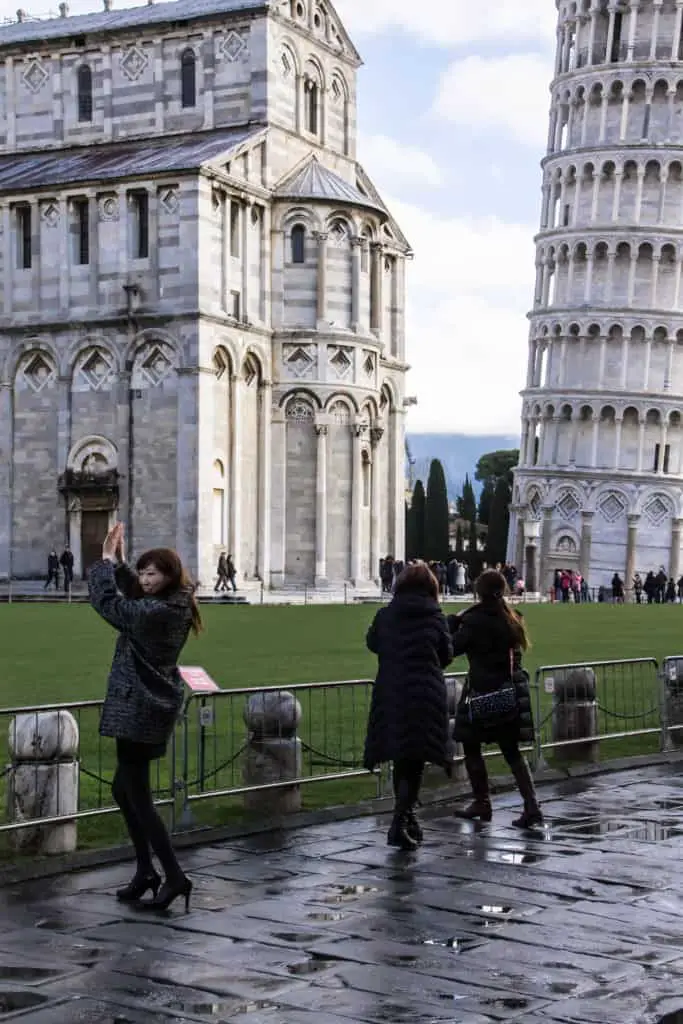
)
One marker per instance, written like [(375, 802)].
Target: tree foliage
[(485, 501), (499, 523), (467, 503), (415, 539), (494, 465), (436, 515)]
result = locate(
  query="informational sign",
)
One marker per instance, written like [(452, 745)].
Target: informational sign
[(549, 684), (198, 679), (206, 717)]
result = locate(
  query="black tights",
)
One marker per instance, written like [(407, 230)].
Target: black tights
[(407, 777), (133, 793), (509, 749)]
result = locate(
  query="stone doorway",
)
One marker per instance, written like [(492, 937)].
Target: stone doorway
[(94, 528)]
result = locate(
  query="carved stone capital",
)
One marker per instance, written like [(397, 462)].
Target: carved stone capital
[(321, 429), (376, 435)]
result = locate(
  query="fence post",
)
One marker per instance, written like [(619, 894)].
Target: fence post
[(540, 763), (43, 780), (671, 703), (186, 820), (273, 751)]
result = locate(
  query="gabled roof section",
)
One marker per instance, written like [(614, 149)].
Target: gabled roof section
[(39, 29), (391, 227), (313, 181), (122, 159)]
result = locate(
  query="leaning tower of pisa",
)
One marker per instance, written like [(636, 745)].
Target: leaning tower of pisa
[(599, 486)]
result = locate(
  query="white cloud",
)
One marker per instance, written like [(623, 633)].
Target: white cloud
[(508, 95), (393, 165), (469, 289), (453, 22)]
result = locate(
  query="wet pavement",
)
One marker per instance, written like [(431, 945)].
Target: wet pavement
[(578, 922)]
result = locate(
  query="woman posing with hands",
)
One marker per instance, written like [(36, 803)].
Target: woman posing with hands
[(154, 611)]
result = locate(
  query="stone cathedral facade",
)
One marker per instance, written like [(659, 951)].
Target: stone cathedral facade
[(201, 294), (600, 482)]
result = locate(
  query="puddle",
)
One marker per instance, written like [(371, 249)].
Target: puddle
[(675, 1017), (513, 857), (297, 937), (492, 908), (310, 966), (10, 1002), (214, 1009), (345, 893), (507, 1003), (562, 988), (454, 943), (28, 974), (329, 915)]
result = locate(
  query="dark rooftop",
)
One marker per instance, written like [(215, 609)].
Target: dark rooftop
[(118, 160), (37, 30)]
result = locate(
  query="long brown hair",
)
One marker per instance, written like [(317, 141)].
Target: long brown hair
[(417, 579), (492, 589), (168, 563)]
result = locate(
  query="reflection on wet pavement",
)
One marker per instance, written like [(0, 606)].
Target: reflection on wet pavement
[(577, 922)]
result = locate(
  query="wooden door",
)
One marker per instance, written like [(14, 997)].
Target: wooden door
[(94, 528)]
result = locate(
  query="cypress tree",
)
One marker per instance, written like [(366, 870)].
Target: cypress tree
[(499, 522), (468, 504), (436, 548), (485, 500), (473, 556), (416, 547)]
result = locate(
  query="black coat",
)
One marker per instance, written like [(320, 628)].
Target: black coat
[(409, 709), (485, 637), (144, 691)]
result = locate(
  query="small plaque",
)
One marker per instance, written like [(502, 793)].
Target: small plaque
[(549, 685), (206, 717), (198, 679)]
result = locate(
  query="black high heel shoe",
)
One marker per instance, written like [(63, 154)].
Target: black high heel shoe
[(169, 892), (144, 881)]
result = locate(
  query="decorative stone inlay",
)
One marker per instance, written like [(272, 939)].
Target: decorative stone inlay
[(109, 207), (250, 371), (134, 63), (337, 92), (568, 506), (339, 233), (234, 46), (169, 200), (656, 510), (220, 365), (535, 505), (341, 361), (35, 75), (156, 367), (299, 411), (369, 365), (298, 359), (38, 371), (49, 213), (96, 369), (612, 507), (285, 65)]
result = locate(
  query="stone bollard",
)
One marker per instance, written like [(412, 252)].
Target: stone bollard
[(454, 689), (575, 715), (673, 709), (273, 751), (43, 780)]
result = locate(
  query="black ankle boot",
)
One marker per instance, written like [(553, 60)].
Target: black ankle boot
[(169, 893), (399, 835), (532, 814), (413, 827), (144, 881)]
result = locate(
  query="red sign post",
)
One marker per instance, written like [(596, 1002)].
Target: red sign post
[(198, 679)]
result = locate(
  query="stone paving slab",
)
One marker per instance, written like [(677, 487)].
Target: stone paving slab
[(576, 922)]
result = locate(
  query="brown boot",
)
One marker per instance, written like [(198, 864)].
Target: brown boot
[(480, 808), (532, 814)]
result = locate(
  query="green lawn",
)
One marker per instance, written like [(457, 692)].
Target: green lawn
[(53, 653)]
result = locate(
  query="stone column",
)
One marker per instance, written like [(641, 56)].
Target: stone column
[(519, 540), (75, 519), (633, 19), (279, 497), (235, 544), (596, 439), (376, 300), (356, 246), (376, 502), (631, 549), (357, 430), (619, 426), (675, 555), (321, 505), (246, 255), (662, 446), (265, 489), (678, 25), (321, 237), (586, 543), (641, 445), (668, 373), (396, 511), (6, 461), (546, 531), (655, 29)]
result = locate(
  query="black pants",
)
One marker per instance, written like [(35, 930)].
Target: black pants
[(407, 776), (133, 793), (509, 749)]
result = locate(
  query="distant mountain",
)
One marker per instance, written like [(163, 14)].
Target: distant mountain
[(458, 453)]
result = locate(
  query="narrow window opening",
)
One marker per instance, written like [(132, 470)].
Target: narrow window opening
[(234, 229), (566, 214), (235, 305), (140, 225), (298, 244), (655, 467), (24, 240), (312, 96), (85, 104), (646, 121), (81, 232), (188, 79), (616, 38), (667, 456)]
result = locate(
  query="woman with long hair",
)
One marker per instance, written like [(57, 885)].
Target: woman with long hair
[(154, 610), (495, 706), (408, 722)]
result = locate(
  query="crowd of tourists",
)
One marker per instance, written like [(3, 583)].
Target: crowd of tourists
[(454, 578), (569, 586)]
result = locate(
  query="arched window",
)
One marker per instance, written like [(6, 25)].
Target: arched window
[(84, 94), (188, 79), (312, 103), (298, 244)]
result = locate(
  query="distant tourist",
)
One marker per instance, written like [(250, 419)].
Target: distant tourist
[(671, 591), (661, 580), (617, 589), (52, 570), (153, 610), (223, 580), (232, 573), (408, 722), (67, 563), (638, 588), (650, 587), (495, 706)]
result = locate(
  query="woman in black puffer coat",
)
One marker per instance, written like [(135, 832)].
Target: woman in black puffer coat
[(408, 721), (493, 637)]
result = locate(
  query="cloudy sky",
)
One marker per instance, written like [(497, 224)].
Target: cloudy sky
[(453, 111)]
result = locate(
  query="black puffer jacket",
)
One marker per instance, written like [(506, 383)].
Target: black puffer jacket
[(409, 710), (485, 637)]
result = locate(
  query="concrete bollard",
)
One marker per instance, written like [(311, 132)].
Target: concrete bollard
[(43, 780), (454, 689), (673, 709), (273, 751), (575, 715)]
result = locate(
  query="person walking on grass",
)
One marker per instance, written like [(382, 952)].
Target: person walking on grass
[(495, 706), (52, 570), (408, 722), (153, 610)]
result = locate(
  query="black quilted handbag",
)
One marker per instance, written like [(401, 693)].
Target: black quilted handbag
[(494, 708)]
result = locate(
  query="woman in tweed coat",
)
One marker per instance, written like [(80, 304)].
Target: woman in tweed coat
[(153, 611)]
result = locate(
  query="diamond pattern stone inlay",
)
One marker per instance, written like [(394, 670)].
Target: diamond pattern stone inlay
[(156, 367), (341, 362), (134, 63), (234, 46), (96, 369), (656, 511), (38, 372), (612, 507), (35, 75), (299, 360), (568, 506)]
